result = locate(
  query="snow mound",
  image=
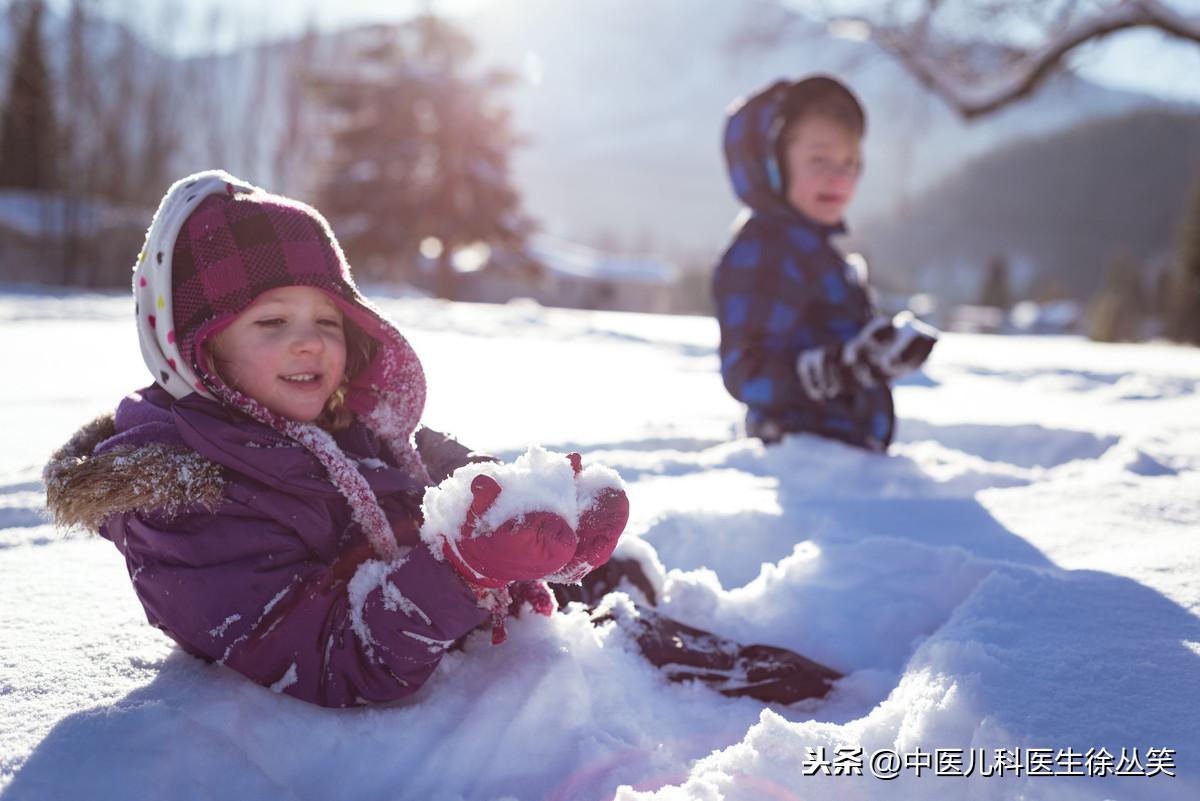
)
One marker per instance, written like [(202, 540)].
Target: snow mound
[(966, 691), (1019, 573)]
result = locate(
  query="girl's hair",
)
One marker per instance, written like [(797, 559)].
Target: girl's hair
[(360, 350)]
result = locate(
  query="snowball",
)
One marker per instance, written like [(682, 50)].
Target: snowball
[(538, 481), (590, 483)]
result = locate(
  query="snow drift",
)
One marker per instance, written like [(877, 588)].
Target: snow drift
[(1014, 586)]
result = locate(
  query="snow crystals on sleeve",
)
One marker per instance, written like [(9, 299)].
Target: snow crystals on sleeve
[(219, 631), (370, 575), (394, 600), (286, 680), (271, 603), (435, 646), (373, 464), (266, 610)]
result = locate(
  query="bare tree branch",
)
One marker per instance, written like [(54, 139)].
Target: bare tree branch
[(1010, 47), (977, 96)]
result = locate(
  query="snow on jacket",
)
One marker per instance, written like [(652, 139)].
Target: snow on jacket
[(780, 288), (242, 550)]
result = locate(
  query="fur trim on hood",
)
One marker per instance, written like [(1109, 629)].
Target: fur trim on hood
[(84, 489)]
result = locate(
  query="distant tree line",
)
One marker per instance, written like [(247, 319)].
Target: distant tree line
[(388, 130), (28, 128), (1183, 305), (1063, 206), (1135, 303)]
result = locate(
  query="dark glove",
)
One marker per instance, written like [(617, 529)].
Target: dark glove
[(824, 373), (901, 346), (884, 349), (600, 526)]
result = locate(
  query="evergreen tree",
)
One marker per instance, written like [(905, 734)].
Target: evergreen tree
[(995, 291), (1183, 311), (1117, 308), (420, 151), (28, 141)]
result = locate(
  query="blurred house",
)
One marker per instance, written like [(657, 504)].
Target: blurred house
[(974, 319), (1050, 317), (558, 273), (49, 238), (585, 278)]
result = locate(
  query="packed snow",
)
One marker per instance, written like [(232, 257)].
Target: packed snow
[(538, 481), (1016, 584)]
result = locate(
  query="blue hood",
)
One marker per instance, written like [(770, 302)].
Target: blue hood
[(750, 134)]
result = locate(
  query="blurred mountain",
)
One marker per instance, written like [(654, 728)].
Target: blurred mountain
[(625, 101), (1058, 209)]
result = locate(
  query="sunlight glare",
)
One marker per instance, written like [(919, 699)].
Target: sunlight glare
[(533, 68)]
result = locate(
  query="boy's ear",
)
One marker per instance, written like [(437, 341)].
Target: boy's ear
[(778, 171)]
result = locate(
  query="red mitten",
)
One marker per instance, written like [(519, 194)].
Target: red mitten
[(600, 526), (502, 602), (535, 593), (522, 548)]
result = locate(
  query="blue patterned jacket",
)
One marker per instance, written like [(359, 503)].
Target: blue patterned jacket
[(780, 288)]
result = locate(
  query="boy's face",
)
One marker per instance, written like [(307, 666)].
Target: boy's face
[(824, 160)]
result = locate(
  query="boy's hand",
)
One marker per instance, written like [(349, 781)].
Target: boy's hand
[(884, 349), (861, 354), (822, 374), (900, 346)]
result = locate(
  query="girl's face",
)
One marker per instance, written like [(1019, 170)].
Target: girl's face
[(287, 351)]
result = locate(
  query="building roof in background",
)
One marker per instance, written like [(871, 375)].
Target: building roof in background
[(46, 214), (581, 261)]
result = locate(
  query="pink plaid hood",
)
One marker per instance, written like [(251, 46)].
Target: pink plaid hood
[(214, 245)]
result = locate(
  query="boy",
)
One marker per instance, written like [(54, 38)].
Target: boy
[(802, 344)]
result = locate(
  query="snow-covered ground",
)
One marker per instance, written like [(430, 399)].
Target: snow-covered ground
[(1021, 573)]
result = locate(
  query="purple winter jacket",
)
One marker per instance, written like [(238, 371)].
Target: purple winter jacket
[(268, 581)]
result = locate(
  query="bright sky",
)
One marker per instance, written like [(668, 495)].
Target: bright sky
[(1146, 61)]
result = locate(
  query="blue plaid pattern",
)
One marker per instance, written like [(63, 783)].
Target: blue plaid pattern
[(782, 287)]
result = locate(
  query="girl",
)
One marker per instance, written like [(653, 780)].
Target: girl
[(266, 490)]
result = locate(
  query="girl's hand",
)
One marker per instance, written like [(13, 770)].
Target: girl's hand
[(600, 525), (530, 546)]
